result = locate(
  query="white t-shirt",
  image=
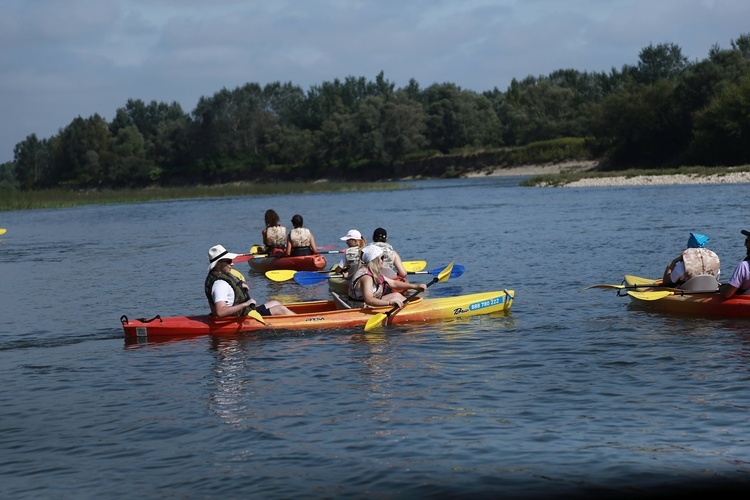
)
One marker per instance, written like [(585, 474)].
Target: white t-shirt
[(221, 290)]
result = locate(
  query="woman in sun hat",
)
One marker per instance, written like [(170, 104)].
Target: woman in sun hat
[(350, 261), (228, 295), (370, 287), (695, 260)]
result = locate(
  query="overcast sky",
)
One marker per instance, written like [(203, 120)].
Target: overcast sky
[(60, 59)]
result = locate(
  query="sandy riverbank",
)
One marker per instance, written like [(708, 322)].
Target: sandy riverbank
[(638, 180)]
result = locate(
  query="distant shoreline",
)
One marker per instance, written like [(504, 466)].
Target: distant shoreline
[(624, 179)]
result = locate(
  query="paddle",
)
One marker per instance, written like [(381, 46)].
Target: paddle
[(378, 319), (660, 294), (3, 230), (412, 267), (253, 313), (623, 287)]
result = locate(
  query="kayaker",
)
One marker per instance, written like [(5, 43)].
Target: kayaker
[(300, 240), (274, 235), (739, 282), (229, 296), (369, 286), (695, 260), (391, 258), (350, 261)]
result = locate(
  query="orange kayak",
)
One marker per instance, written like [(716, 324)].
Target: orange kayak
[(320, 314), (706, 302)]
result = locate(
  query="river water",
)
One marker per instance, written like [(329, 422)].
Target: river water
[(572, 393)]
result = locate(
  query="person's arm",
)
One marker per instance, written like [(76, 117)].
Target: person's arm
[(289, 245), (265, 238), (399, 265), (727, 291), (405, 285), (365, 287), (222, 309), (667, 277), (312, 244)]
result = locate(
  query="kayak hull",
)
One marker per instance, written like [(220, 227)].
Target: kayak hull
[(692, 303), (319, 315), (314, 262)]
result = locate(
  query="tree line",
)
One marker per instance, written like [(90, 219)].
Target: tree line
[(663, 111)]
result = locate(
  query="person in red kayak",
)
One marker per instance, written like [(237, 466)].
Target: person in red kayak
[(228, 295), (695, 260), (274, 235), (739, 282), (300, 240)]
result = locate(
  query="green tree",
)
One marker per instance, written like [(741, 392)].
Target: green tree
[(664, 60), (32, 162), (722, 129)]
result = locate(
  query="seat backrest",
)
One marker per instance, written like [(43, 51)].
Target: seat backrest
[(340, 303), (702, 283)]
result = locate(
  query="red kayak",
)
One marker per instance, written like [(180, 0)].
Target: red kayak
[(314, 262)]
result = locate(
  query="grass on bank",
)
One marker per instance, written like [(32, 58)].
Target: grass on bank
[(60, 198), (563, 178)]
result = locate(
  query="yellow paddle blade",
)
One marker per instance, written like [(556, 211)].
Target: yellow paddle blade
[(2, 230), (256, 249), (445, 274), (280, 274), (238, 274), (375, 321), (256, 315), (650, 295), (412, 266)]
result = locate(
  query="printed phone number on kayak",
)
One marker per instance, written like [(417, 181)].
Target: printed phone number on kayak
[(486, 303)]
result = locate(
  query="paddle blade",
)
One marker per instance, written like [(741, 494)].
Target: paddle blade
[(650, 295), (280, 275), (413, 266), (309, 277), (375, 321), (445, 274), (245, 257), (256, 316), (3, 230)]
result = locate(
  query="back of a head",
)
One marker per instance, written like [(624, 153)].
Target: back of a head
[(297, 220), (272, 218), (380, 235)]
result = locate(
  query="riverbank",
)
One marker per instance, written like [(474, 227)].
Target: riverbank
[(585, 174)]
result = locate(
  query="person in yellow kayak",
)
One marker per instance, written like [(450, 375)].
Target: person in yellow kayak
[(740, 279), (274, 235), (350, 261), (695, 260), (391, 258), (369, 286), (229, 296), (300, 240)]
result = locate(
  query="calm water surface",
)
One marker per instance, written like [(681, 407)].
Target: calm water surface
[(572, 393)]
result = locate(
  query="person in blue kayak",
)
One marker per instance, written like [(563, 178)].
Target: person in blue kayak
[(274, 235), (349, 263), (391, 258), (369, 286), (300, 240), (228, 295), (695, 260), (739, 282)]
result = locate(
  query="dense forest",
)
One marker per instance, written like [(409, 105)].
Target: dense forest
[(661, 112)]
